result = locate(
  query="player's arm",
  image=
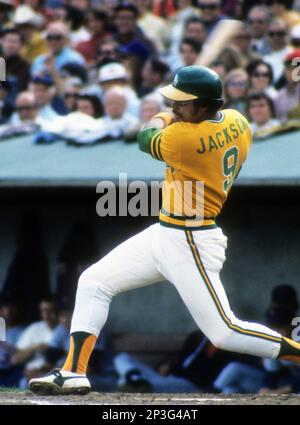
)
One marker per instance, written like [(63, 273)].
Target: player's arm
[(148, 137)]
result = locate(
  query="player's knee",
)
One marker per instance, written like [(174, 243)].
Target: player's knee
[(86, 278), (96, 282)]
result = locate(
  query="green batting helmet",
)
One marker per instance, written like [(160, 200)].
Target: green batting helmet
[(194, 82)]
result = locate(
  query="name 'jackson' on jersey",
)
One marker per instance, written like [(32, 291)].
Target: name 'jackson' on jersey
[(211, 152)]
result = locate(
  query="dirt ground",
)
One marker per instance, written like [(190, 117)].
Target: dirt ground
[(21, 398)]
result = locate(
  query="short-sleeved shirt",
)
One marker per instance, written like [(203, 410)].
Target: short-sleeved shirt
[(37, 333)]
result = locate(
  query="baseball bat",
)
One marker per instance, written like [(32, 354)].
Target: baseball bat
[(221, 36)]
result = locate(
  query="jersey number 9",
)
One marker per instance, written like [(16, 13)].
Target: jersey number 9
[(230, 161)]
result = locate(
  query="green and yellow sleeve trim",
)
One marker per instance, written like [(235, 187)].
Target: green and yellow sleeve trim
[(202, 271), (155, 146), (150, 142)]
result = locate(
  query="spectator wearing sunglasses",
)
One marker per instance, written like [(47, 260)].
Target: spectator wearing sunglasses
[(242, 41), (236, 90), (258, 21), (72, 88), (107, 52), (211, 13), (278, 37), (58, 49), (261, 78)]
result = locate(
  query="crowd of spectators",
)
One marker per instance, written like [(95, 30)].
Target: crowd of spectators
[(104, 60)]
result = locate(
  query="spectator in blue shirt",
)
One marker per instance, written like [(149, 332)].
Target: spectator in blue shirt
[(57, 40)]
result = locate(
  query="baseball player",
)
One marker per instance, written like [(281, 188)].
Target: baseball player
[(199, 143)]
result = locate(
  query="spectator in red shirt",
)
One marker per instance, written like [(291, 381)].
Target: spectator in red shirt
[(97, 25)]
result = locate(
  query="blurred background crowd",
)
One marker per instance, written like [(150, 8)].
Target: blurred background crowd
[(106, 59)]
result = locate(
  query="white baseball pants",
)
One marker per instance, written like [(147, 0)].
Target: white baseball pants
[(191, 261)]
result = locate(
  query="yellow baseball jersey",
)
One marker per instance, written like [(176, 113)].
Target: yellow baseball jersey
[(203, 161)]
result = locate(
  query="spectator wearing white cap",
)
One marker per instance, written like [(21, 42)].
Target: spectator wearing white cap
[(58, 50), (115, 74), (26, 21)]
